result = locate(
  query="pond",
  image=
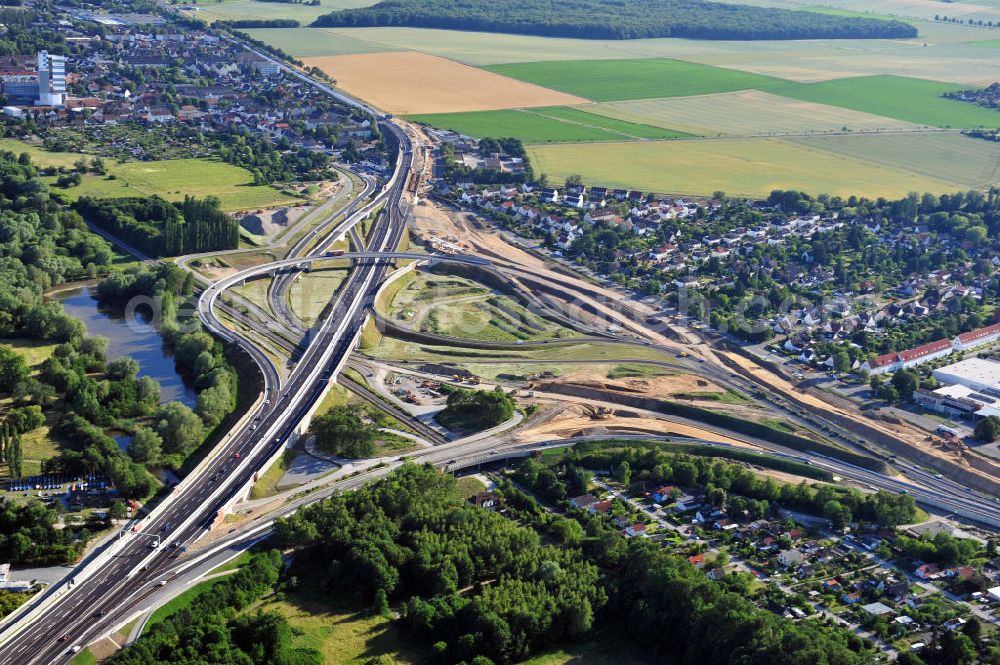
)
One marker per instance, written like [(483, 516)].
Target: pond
[(136, 338)]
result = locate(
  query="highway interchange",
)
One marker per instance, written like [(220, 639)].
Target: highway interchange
[(113, 582)]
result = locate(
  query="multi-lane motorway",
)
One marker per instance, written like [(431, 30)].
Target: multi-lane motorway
[(129, 568)]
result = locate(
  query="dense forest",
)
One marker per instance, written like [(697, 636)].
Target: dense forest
[(617, 19), (478, 587), (160, 228)]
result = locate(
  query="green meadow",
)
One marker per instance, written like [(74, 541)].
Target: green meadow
[(173, 179), (557, 124)]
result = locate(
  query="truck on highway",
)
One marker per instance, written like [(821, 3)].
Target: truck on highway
[(335, 252)]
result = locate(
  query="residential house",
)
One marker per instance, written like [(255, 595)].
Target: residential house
[(602, 507), (662, 494), (636, 531), (788, 558), (697, 560), (487, 500)]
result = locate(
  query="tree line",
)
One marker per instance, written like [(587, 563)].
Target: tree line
[(726, 484), (212, 629), (259, 23), (160, 228), (621, 19)]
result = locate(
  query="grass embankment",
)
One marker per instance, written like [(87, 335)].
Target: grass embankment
[(632, 370), (255, 292), (469, 486), (336, 395), (312, 292), (232, 564), (393, 349), (738, 454), (179, 602), (85, 657), (464, 308), (267, 482), (724, 396), (772, 434)]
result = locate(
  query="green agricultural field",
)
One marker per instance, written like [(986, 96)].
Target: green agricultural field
[(913, 100), (748, 113), (556, 124), (909, 99), (965, 162), (173, 179), (741, 167), (308, 42), (612, 80)]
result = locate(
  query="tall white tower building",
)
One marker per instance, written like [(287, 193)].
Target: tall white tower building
[(51, 79)]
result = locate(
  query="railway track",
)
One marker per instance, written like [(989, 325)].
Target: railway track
[(421, 429)]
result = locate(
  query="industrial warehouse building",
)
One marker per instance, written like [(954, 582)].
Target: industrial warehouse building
[(973, 373)]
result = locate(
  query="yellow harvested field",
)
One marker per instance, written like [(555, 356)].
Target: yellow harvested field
[(410, 82), (743, 114), (739, 167)]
